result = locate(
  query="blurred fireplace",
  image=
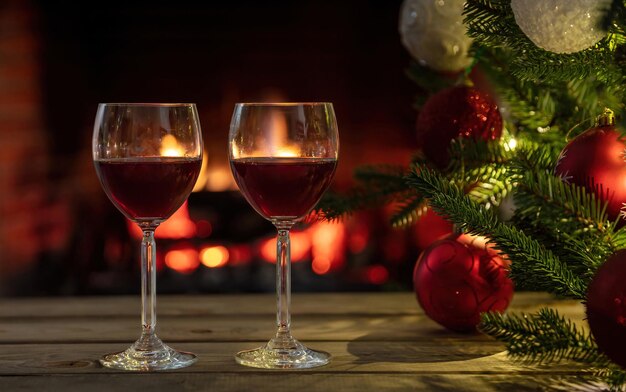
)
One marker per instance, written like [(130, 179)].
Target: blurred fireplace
[(68, 58)]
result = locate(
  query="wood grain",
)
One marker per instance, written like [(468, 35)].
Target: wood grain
[(379, 342)]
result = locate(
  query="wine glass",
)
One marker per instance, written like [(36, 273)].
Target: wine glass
[(283, 157), (148, 158)]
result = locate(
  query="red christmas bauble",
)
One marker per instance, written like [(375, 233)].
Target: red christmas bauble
[(456, 112), (606, 307), (431, 227), (458, 278), (595, 160)]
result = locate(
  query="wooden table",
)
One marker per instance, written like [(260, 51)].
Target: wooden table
[(379, 342)]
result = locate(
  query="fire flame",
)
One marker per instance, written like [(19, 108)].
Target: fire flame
[(324, 241), (170, 147), (214, 256), (287, 152), (328, 246), (300, 247), (184, 260), (179, 225)]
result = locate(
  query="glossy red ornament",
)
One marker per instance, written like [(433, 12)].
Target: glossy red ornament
[(459, 111), (595, 160), (606, 307), (458, 278), (431, 227)]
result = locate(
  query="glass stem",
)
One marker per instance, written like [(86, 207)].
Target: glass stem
[(283, 282), (148, 283)]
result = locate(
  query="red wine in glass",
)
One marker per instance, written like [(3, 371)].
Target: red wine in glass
[(147, 157), (148, 188), (283, 156), (283, 187)]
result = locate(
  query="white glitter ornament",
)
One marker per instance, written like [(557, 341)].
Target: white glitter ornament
[(561, 26), (434, 34)]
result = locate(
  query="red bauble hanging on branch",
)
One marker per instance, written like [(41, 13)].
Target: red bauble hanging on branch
[(595, 160), (458, 278), (606, 307), (459, 111)]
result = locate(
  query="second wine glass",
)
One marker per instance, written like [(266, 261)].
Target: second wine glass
[(283, 157)]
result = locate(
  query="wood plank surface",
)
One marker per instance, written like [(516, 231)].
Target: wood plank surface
[(379, 342), (311, 382), (348, 357), (304, 303)]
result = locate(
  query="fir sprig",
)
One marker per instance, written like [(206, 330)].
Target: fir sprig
[(542, 337), (546, 337), (531, 262), (492, 23), (378, 185), (409, 211)]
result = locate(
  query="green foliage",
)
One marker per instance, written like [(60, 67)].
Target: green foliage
[(542, 337), (546, 337), (409, 211), (378, 185), (491, 23), (531, 262), (559, 234)]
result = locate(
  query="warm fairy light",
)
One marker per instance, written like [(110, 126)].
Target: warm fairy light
[(183, 261), (300, 247), (203, 176), (327, 246), (179, 225), (170, 147), (214, 256), (510, 144)]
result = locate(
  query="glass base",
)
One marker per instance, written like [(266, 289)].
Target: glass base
[(283, 352), (147, 354)]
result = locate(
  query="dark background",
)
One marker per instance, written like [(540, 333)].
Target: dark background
[(214, 54)]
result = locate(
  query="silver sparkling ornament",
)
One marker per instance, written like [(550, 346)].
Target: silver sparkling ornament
[(434, 34), (561, 26)]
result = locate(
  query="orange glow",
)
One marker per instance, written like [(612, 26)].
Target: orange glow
[(320, 265), (214, 256), (278, 144), (219, 179), (170, 147), (203, 176), (377, 274), (287, 152), (328, 246), (358, 242), (240, 254), (300, 247), (184, 261), (179, 225), (203, 228)]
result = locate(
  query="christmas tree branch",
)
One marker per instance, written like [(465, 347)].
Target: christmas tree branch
[(530, 105), (469, 153), (543, 337), (492, 23), (378, 185), (546, 337), (531, 262), (409, 211)]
